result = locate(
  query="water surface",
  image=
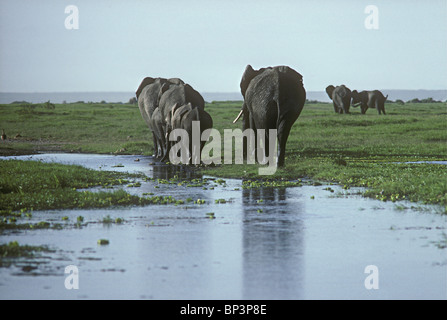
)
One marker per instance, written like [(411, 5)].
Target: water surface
[(266, 243)]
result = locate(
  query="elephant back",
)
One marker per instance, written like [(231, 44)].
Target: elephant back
[(180, 94)]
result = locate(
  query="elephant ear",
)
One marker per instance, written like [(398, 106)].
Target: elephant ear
[(248, 75), (330, 90), (146, 81)]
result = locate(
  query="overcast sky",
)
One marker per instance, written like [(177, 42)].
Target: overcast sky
[(208, 43)]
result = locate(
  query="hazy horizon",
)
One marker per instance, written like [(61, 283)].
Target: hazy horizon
[(209, 43), (125, 96)]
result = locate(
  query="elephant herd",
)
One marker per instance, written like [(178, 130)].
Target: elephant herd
[(341, 98), (273, 99), (168, 104)]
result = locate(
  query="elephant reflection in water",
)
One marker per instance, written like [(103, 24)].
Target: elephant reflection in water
[(272, 243), (168, 172)]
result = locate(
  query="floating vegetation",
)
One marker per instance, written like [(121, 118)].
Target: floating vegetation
[(14, 250), (12, 225), (211, 215), (199, 201), (249, 184), (102, 242), (134, 185)]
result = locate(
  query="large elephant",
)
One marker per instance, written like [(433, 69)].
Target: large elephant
[(273, 99), (369, 99), (341, 98), (148, 96), (182, 117)]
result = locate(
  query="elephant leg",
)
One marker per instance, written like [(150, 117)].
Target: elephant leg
[(262, 146), (245, 125), (381, 107), (335, 107), (364, 108), (346, 109), (283, 134), (164, 145), (155, 143), (253, 147)]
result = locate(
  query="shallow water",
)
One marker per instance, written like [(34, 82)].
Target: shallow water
[(307, 243)]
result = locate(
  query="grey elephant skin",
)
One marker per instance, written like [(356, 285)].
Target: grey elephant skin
[(182, 117), (369, 99), (273, 99), (341, 98)]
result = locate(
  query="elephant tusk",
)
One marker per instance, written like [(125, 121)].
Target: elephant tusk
[(238, 116)]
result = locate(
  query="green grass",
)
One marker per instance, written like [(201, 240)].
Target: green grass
[(98, 128), (32, 185), (353, 150)]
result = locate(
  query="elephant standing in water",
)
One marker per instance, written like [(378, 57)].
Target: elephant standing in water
[(174, 96), (273, 99), (148, 96), (369, 99), (182, 117), (341, 98), (156, 97)]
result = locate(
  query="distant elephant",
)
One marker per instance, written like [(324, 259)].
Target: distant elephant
[(273, 99), (341, 98), (177, 94), (148, 96), (369, 99), (182, 117)]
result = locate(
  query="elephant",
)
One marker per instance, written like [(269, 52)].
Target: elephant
[(148, 96), (369, 99), (177, 95), (182, 117), (341, 98), (273, 99)]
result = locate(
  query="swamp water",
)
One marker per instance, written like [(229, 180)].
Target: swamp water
[(303, 242)]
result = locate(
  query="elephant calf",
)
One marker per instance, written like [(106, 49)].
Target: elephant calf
[(341, 98), (369, 99), (183, 117)]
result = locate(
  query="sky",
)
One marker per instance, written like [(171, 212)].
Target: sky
[(208, 43)]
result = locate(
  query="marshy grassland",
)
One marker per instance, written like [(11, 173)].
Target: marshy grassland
[(352, 150)]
